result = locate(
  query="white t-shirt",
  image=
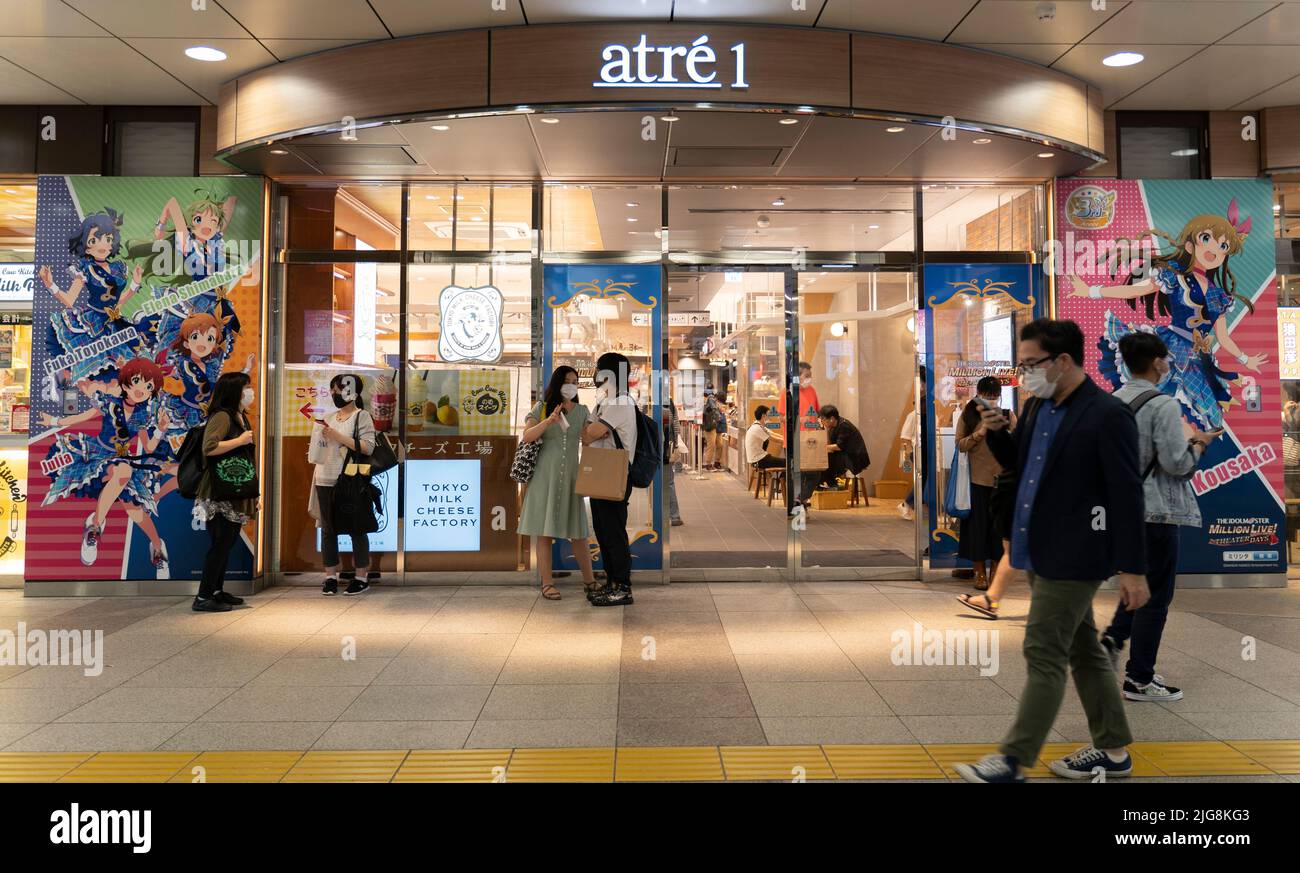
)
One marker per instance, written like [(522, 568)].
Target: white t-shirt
[(332, 454), (619, 414), (754, 438)]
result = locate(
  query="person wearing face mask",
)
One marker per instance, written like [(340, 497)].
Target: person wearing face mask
[(348, 429), (1169, 459), (613, 426), (227, 429), (1077, 522), (713, 426), (551, 508), (979, 541)]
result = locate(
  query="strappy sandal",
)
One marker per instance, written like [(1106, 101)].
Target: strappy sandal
[(989, 610), (549, 591)]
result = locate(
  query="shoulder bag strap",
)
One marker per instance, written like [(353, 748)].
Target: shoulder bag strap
[(1135, 404)]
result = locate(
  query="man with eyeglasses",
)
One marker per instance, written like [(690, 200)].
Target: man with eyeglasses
[(1078, 521)]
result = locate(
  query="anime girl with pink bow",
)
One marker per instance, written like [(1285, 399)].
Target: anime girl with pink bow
[(1194, 287)]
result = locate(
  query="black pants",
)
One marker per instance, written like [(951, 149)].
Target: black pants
[(1144, 626), (609, 521), (329, 537), (836, 468), (224, 533)]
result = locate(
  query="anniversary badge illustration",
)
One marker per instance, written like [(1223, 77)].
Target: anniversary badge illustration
[(1193, 263), (147, 290)]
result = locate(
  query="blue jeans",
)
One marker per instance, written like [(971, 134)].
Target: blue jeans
[(670, 486), (1143, 627)]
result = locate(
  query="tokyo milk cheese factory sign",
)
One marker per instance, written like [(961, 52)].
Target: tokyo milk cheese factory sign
[(647, 66), (469, 323), (443, 506)]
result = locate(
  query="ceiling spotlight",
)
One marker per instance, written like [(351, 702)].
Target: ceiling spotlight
[(632, 204), (205, 53), (780, 201), (550, 121), (789, 121), (1183, 153), (839, 328), (1123, 59), (763, 221), (873, 227), (430, 196), (442, 127), (895, 129), (984, 140), (669, 118), (631, 219), (279, 151), (1046, 154)]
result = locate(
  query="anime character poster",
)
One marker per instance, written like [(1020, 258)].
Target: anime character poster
[(147, 290), (1192, 262)]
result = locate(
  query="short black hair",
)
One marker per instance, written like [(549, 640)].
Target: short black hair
[(1057, 337), (760, 412), (828, 411), (617, 366), (1141, 349), (989, 385), (804, 365)]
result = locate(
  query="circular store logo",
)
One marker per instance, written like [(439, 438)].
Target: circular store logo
[(1090, 207), (470, 323)]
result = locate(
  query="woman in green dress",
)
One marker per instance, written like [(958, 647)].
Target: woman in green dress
[(552, 510)]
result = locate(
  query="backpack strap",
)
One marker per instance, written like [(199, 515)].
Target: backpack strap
[(1137, 403)]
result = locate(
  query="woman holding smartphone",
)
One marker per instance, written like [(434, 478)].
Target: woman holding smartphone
[(552, 510), (979, 541), (348, 429)]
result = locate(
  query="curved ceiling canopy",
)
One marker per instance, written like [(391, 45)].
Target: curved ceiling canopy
[(659, 101)]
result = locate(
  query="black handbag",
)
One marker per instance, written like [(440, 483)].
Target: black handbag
[(384, 457), (234, 474), (356, 499)]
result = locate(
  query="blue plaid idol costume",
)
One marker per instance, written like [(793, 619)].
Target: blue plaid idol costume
[(95, 318), (117, 442), (1194, 380)]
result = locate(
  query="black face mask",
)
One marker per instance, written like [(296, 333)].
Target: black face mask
[(338, 400)]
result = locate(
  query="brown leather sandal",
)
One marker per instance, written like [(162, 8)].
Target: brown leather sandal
[(988, 609), (549, 591)]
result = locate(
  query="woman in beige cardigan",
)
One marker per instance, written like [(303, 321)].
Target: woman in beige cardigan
[(979, 541)]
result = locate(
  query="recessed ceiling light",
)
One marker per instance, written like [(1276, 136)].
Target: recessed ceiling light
[(1277, 207), (789, 121), (631, 219), (205, 53), (780, 201), (279, 151), (430, 196), (477, 218), (10, 191), (895, 129), (984, 140), (1183, 153), (669, 118), (1047, 154), (442, 127), (550, 121), (633, 204), (873, 227), (1122, 59)]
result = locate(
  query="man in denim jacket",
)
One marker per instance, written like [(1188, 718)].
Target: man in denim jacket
[(1168, 458)]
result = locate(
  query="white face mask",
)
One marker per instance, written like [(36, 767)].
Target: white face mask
[(806, 381), (569, 391), (1036, 383), (247, 399)]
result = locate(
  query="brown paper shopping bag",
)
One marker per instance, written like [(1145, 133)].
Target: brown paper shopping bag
[(602, 473), (812, 450)]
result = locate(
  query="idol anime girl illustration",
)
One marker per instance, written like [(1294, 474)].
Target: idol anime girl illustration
[(1195, 288), (95, 249), (118, 463), (199, 230)]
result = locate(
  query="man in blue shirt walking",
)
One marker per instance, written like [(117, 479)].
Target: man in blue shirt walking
[(1078, 521)]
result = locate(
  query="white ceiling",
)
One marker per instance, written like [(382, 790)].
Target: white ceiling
[(1202, 54)]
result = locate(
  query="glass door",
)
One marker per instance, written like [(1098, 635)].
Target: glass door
[(855, 382)]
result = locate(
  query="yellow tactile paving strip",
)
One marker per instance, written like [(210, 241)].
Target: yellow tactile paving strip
[(624, 764)]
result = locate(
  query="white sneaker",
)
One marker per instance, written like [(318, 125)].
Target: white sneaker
[(906, 511), (161, 563), (90, 541), (1153, 690)]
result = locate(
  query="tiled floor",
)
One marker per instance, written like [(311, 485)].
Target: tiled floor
[(689, 665), (720, 515)]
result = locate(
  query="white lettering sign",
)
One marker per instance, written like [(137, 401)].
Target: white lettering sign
[(17, 281), (645, 66)]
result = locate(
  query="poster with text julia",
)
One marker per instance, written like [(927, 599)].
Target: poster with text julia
[(147, 291), (1193, 263)]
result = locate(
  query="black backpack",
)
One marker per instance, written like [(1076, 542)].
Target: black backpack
[(190, 466), (649, 456)]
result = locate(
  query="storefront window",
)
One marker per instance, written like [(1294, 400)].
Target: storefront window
[(601, 218), (1286, 225), (17, 284), (972, 218), (470, 218)]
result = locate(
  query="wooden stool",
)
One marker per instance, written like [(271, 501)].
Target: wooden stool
[(776, 484), (859, 489)]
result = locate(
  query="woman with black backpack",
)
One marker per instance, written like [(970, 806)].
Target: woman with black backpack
[(227, 494), (341, 491)]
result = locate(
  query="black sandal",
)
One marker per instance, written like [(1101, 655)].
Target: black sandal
[(988, 611)]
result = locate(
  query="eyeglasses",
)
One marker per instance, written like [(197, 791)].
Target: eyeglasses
[(1025, 366)]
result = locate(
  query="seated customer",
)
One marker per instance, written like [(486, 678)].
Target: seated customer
[(756, 438), (846, 452)]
